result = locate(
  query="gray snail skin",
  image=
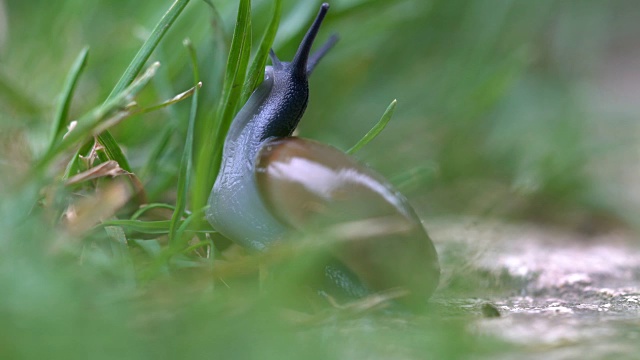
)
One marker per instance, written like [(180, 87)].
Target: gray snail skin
[(271, 184)]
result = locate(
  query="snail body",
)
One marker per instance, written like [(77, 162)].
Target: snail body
[(270, 184)]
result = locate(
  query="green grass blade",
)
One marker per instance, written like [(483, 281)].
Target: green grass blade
[(152, 247), (111, 147), (164, 86), (98, 117), (184, 176), (149, 45), (187, 223), (157, 227), (235, 75), (192, 223), (113, 150), (236, 64), (75, 165), (145, 208), (62, 113), (197, 246), (211, 142), (382, 123), (183, 95), (256, 71)]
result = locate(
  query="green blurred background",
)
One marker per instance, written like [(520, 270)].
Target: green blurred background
[(518, 110), (506, 108)]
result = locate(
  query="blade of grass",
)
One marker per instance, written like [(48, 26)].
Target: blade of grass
[(173, 100), (184, 175), (149, 45), (194, 225), (157, 227), (256, 71), (382, 123), (75, 165), (163, 85), (148, 207), (186, 224), (111, 147), (73, 168), (62, 113), (87, 124), (236, 64), (211, 142), (197, 246), (152, 247)]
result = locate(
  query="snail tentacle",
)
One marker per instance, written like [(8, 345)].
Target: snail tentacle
[(299, 61), (320, 53)]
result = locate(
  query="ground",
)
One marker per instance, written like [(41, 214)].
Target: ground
[(564, 295)]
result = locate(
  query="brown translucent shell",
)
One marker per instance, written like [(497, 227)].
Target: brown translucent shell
[(310, 186)]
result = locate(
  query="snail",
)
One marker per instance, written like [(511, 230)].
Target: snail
[(271, 184)]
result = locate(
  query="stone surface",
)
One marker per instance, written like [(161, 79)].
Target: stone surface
[(563, 295)]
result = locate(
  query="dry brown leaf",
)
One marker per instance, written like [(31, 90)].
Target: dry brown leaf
[(110, 168), (87, 212)]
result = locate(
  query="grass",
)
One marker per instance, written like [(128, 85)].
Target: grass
[(489, 123), (382, 123)]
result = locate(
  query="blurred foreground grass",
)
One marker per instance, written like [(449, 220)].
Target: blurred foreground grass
[(500, 113)]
